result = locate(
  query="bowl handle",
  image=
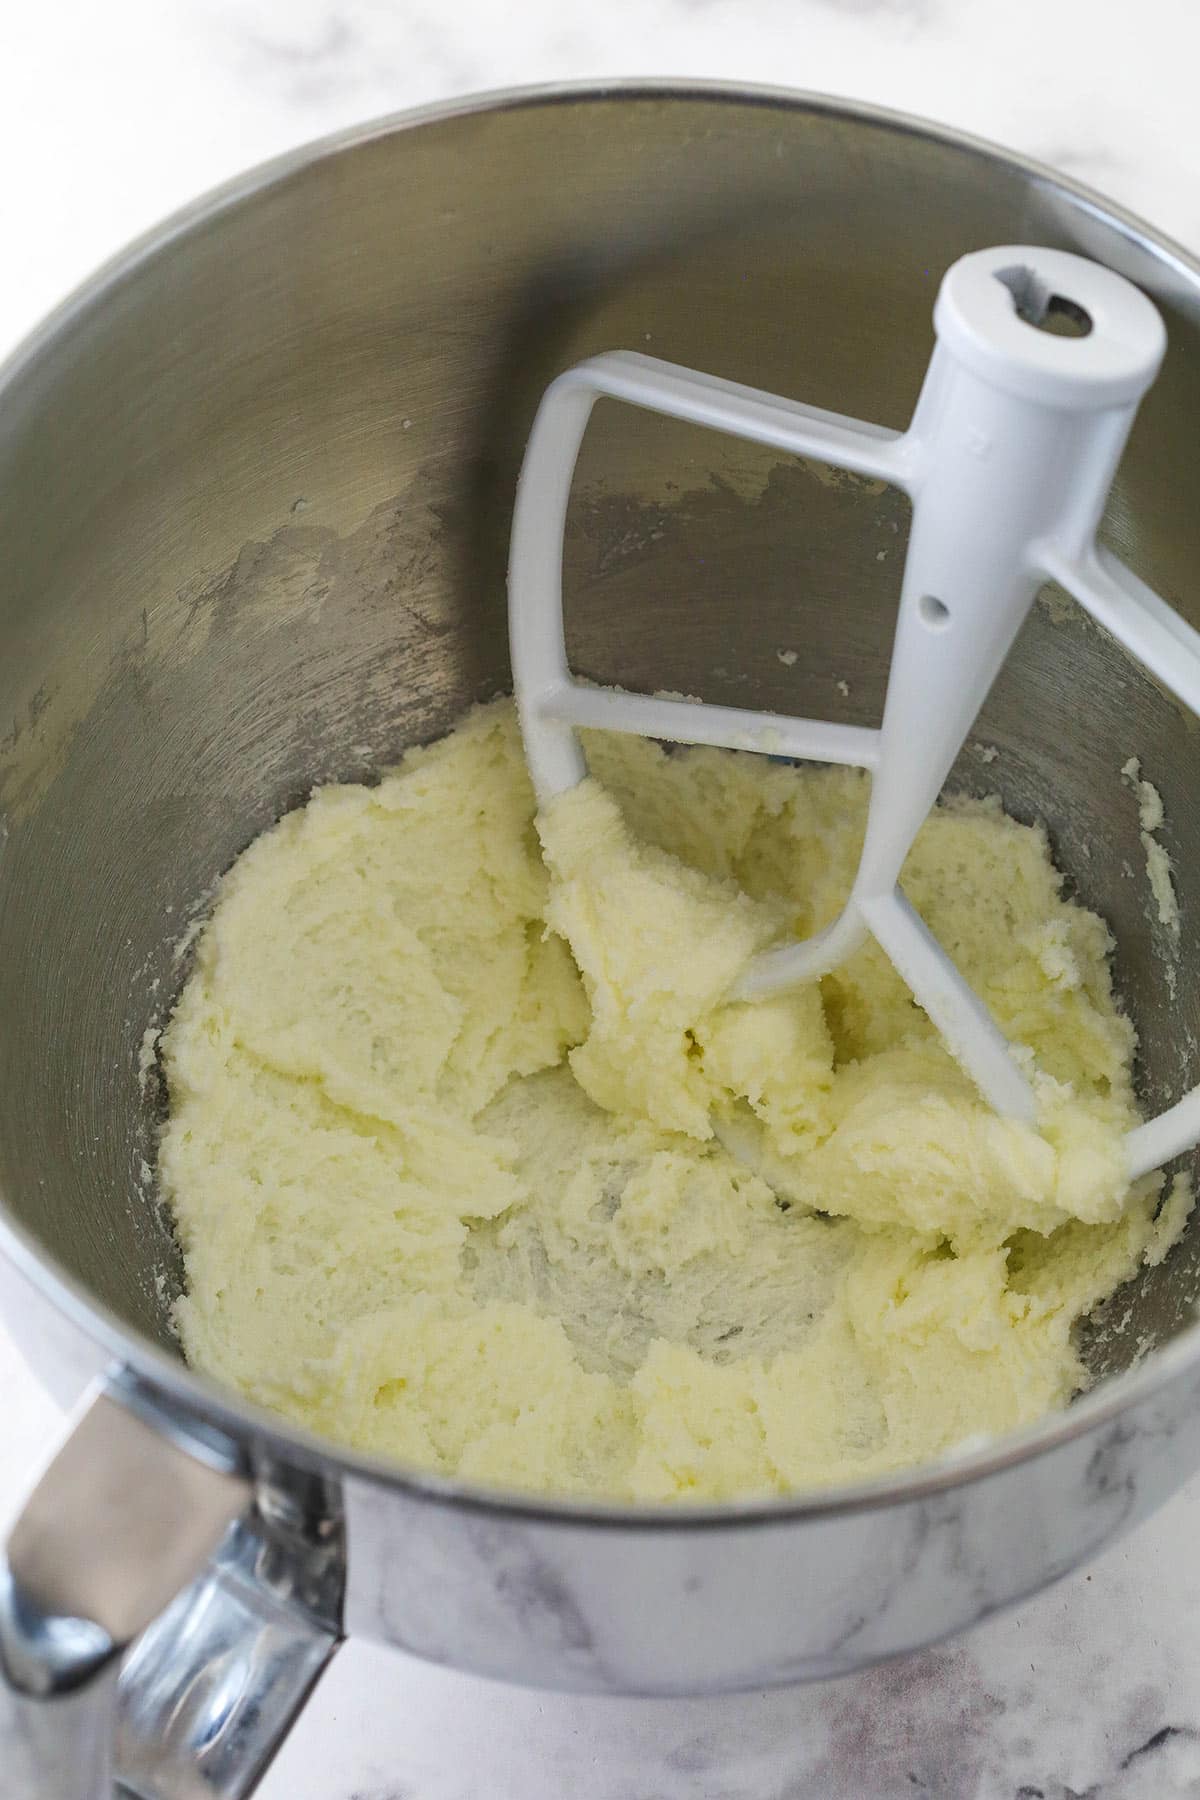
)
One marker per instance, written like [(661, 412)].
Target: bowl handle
[(144, 1538)]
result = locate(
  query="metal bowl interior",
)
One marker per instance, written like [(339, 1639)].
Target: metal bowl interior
[(255, 486)]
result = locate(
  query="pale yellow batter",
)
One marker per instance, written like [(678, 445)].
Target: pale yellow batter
[(473, 1165)]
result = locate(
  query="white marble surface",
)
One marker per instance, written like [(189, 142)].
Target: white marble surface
[(112, 115)]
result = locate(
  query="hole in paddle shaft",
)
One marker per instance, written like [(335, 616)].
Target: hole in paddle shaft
[(1038, 306), (934, 612)]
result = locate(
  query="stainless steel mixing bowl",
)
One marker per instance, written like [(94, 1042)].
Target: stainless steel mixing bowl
[(255, 483)]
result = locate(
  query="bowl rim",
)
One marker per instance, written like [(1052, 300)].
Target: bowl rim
[(198, 1404)]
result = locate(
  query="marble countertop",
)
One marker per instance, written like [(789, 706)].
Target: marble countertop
[(111, 116)]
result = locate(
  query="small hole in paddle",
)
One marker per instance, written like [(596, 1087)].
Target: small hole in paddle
[(935, 614), (1037, 305)]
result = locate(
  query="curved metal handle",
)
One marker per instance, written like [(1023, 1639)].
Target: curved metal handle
[(128, 1524), (57, 1745)]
